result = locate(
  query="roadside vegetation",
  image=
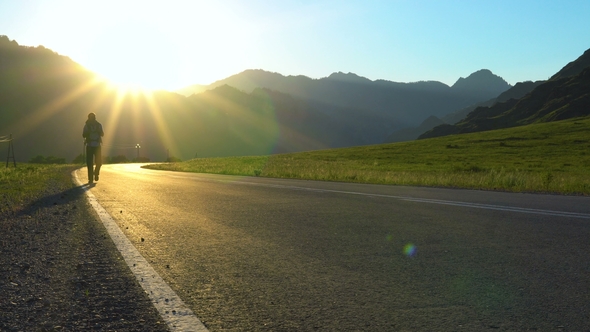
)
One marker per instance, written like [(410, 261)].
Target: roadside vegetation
[(547, 157), (21, 185), (47, 160)]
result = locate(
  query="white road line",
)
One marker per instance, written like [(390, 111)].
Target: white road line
[(172, 309), (425, 200), (459, 203), (502, 208)]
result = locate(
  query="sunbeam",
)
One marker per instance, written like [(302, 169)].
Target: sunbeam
[(163, 128), (254, 125), (113, 116), (42, 114)]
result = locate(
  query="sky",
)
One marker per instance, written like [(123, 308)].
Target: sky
[(172, 44)]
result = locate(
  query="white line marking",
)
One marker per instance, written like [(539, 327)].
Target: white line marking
[(421, 200), (502, 208), (173, 311)]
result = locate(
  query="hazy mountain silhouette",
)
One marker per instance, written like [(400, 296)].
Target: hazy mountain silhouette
[(45, 98), (565, 95), (479, 79), (230, 122), (481, 85), (195, 88), (386, 105), (42, 94), (518, 91), (349, 78), (410, 134)]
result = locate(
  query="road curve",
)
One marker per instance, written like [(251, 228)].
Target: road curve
[(269, 254)]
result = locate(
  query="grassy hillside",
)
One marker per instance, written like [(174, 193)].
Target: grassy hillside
[(547, 157)]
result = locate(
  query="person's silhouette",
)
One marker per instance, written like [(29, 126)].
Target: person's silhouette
[(92, 134)]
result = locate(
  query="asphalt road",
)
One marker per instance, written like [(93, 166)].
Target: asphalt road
[(286, 255)]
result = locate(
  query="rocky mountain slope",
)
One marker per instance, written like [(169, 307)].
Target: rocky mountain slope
[(565, 95), (408, 134)]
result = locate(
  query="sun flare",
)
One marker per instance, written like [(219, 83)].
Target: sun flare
[(128, 88), (156, 45)]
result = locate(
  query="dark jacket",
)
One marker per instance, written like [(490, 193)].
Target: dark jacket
[(92, 133)]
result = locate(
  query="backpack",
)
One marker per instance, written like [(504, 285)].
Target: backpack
[(93, 131)]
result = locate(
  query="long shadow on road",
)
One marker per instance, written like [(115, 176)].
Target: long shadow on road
[(60, 270)]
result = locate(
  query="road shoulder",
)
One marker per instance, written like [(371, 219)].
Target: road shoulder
[(61, 271)]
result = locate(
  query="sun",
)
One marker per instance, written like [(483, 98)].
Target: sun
[(136, 55), (128, 88), (154, 45)]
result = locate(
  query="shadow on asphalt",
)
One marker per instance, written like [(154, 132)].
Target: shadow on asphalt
[(60, 198)]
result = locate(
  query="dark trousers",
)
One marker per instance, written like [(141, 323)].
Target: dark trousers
[(93, 153)]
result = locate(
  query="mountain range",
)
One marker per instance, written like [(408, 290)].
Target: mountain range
[(518, 91), (565, 95), (397, 105), (45, 97)]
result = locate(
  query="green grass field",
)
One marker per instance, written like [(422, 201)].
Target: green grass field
[(548, 157), (25, 183)]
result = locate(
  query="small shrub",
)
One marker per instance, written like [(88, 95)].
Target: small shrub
[(475, 169), (141, 160), (172, 159), (47, 160), (37, 160)]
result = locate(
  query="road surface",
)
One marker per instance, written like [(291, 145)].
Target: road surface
[(250, 253)]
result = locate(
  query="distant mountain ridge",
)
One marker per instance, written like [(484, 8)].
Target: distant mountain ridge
[(387, 105), (575, 67), (45, 97), (483, 83), (516, 91), (349, 77), (189, 90), (412, 133), (565, 95)]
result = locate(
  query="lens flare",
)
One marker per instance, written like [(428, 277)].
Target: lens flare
[(410, 250)]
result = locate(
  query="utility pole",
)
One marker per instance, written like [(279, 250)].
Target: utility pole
[(137, 146), (10, 149)]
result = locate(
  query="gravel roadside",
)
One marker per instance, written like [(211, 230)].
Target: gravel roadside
[(60, 271)]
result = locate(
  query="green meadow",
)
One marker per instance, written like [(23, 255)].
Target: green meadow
[(546, 158), (27, 182)]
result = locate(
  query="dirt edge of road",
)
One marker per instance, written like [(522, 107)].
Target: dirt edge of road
[(59, 269)]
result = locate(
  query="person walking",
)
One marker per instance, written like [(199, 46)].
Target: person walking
[(92, 134)]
